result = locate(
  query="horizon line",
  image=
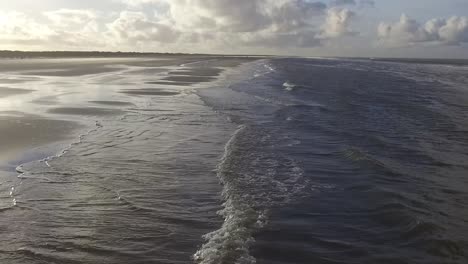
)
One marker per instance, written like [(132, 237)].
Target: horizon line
[(70, 53)]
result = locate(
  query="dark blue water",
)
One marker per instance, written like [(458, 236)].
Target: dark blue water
[(279, 161), (349, 162)]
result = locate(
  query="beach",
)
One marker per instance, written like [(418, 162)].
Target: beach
[(232, 159), (43, 101)]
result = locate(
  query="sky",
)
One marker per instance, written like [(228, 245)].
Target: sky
[(353, 28)]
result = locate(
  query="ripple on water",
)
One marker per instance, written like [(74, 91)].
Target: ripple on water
[(150, 91), (86, 111)]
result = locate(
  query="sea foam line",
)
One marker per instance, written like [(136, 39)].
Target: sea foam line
[(231, 242)]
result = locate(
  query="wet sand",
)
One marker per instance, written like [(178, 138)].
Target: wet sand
[(85, 111), (150, 91), (189, 79), (111, 103), (79, 67), (21, 79), (160, 83), (208, 72), (60, 96), (20, 132), (4, 92)]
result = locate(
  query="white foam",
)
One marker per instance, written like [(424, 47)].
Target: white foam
[(233, 239), (254, 183), (289, 86)]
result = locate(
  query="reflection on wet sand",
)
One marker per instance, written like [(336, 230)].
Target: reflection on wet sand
[(80, 91), (189, 79), (86, 111), (170, 83), (150, 91), (111, 103), (20, 132), (4, 92), (209, 72)]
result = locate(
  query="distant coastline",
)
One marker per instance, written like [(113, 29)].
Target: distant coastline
[(16, 54), (456, 62)]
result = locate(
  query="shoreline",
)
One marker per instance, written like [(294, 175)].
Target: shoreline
[(56, 122), (19, 55), (29, 138)]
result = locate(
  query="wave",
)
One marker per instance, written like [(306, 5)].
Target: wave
[(232, 240), (254, 182), (269, 67)]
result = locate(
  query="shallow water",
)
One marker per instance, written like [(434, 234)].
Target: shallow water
[(276, 161)]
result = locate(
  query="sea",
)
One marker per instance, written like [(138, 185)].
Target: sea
[(274, 161)]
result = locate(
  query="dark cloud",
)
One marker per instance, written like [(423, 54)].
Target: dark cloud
[(256, 22), (343, 2), (367, 3)]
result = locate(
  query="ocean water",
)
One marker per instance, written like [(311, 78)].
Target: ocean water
[(283, 160)]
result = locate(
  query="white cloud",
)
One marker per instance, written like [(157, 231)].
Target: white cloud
[(453, 30), (18, 28), (338, 23), (407, 31), (137, 28), (404, 32), (139, 2), (188, 25), (68, 17), (74, 27), (61, 29), (294, 15)]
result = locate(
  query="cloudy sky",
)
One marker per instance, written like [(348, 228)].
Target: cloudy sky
[(393, 28)]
